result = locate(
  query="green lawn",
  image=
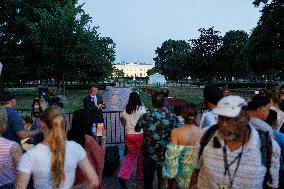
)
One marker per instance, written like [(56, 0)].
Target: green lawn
[(189, 94), (74, 98), (25, 97)]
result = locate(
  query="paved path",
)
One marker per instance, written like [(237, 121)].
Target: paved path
[(116, 98)]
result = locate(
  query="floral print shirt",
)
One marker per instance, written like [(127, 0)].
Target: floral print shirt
[(157, 126)]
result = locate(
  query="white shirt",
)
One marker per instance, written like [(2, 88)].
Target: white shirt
[(94, 100), (208, 119), (131, 119), (251, 171), (261, 125), (37, 161)]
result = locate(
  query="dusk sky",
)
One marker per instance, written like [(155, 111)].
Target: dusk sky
[(138, 27)]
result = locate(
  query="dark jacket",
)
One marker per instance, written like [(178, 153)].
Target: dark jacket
[(91, 108)]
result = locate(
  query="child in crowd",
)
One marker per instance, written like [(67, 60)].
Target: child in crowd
[(177, 111), (27, 143)]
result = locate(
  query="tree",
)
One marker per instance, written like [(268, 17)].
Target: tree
[(10, 48), (264, 50), (171, 58), (231, 55), (54, 41), (204, 57)]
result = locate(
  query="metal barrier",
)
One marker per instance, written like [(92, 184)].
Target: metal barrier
[(115, 131)]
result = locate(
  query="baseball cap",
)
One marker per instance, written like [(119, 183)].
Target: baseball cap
[(229, 106)]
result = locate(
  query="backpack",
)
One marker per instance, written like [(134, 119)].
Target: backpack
[(112, 160), (265, 149)]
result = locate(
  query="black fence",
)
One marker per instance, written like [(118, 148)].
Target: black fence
[(115, 131)]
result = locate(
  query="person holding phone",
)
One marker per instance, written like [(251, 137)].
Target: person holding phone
[(93, 104)]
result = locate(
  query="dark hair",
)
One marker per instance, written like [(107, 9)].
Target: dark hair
[(134, 102), (178, 109), (8, 96), (258, 101), (81, 125), (281, 87), (272, 95), (271, 118), (158, 100), (165, 91), (225, 88), (91, 86), (188, 115), (212, 94), (28, 119)]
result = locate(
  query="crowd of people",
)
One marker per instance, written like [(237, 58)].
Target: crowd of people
[(236, 144), (38, 153)]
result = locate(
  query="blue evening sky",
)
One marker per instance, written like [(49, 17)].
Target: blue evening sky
[(138, 27)]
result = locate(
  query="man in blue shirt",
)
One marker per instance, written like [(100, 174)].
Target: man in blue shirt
[(15, 129)]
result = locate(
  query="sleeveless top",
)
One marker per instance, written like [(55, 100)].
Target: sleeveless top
[(7, 167)]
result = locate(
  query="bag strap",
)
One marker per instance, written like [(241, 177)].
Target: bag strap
[(266, 155), (206, 138)]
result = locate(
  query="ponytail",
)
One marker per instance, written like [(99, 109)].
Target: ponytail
[(54, 119), (57, 148)]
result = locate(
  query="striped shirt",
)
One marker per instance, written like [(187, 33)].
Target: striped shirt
[(251, 171), (7, 167)]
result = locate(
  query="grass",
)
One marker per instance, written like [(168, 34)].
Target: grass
[(74, 98), (189, 94), (25, 97)]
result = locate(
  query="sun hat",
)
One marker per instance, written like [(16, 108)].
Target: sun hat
[(229, 106)]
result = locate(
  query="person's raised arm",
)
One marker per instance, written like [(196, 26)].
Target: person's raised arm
[(89, 172), (28, 133)]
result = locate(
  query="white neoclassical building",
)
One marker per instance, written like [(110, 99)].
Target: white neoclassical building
[(134, 69)]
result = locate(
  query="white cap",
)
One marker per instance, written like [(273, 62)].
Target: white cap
[(229, 106)]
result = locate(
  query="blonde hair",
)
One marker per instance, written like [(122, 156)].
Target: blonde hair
[(3, 120), (54, 119)]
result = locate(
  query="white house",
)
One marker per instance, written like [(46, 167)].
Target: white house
[(134, 69)]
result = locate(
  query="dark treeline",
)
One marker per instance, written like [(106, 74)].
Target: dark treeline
[(43, 40), (236, 54)]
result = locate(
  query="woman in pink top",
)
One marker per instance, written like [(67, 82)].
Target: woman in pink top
[(10, 153), (133, 140)]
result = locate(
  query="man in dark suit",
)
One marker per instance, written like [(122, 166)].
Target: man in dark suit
[(93, 104)]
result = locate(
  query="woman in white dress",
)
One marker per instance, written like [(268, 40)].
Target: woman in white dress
[(53, 162)]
